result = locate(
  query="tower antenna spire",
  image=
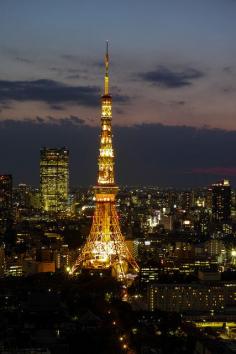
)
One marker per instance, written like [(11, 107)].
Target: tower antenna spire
[(106, 80)]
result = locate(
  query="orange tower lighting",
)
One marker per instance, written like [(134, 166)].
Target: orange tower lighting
[(105, 247)]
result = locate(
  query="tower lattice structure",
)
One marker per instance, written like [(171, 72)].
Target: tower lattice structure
[(105, 247)]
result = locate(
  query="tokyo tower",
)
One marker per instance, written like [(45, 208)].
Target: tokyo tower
[(105, 247)]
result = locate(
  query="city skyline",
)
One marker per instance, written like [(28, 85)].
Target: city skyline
[(173, 78), (117, 177)]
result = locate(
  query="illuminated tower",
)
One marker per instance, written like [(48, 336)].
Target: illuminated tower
[(105, 247), (54, 178)]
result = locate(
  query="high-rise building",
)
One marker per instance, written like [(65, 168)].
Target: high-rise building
[(5, 201), (221, 201), (105, 248), (21, 196), (54, 179), (186, 200)]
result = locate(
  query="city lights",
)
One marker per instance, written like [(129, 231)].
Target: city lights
[(138, 255), (233, 253)]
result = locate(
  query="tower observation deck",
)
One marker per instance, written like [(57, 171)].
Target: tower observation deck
[(105, 247)]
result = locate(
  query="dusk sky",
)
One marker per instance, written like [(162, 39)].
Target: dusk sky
[(173, 81)]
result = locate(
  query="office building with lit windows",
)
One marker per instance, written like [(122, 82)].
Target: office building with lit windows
[(54, 179), (221, 201), (197, 297), (5, 201)]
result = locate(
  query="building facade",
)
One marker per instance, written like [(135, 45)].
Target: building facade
[(197, 297), (221, 201), (5, 201), (54, 179)]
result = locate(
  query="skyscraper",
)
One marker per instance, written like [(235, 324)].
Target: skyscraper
[(186, 200), (54, 179), (5, 201), (221, 201), (105, 247)]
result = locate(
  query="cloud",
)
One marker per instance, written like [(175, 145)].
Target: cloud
[(228, 90), (57, 107), (168, 78), (5, 105), (122, 99), (220, 171), (119, 111), (48, 91), (24, 60), (40, 120), (76, 120), (53, 93), (178, 103), (71, 73), (46, 121), (167, 156), (57, 70), (70, 57), (228, 70), (73, 77)]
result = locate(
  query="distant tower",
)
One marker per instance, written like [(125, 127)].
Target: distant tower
[(105, 247), (54, 179), (221, 201), (5, 201)]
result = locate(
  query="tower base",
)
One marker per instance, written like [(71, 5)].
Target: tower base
[(96, 272)]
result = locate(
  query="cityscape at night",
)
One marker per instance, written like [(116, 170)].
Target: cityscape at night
[(118, 177)]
